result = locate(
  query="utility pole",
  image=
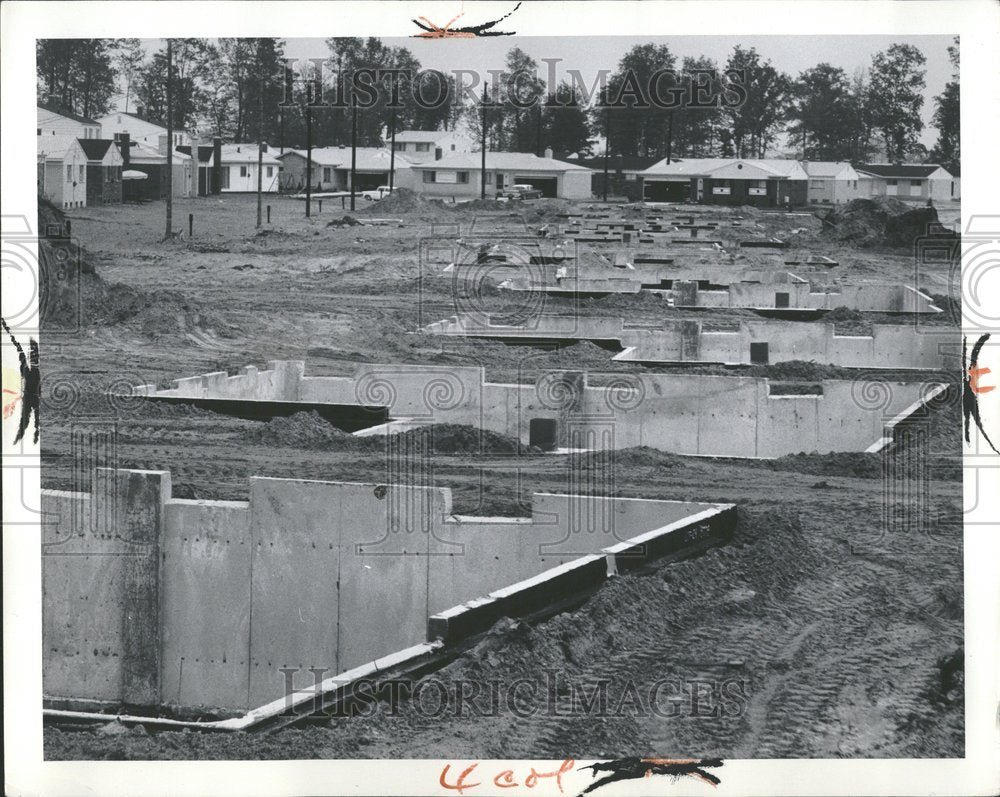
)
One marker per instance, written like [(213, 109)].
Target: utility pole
[(392, 151), (354, 145), (670, 134), (482, 170), (607, 146), (309, 149), (260, 134), (170, 144)]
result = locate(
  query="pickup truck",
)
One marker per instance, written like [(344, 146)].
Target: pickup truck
[(376, 193)]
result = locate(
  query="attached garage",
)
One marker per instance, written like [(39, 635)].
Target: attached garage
[(667, 190), (368, 181), (549, 186)]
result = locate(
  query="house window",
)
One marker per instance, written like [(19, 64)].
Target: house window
[(890, 182), (327, 174), (430, 177), (83, 172), (489, 180), (400, 146), (855, 184), (722, 188), (225, 178), (463, 177), (270, 171), (817, 183), (916, 183), (423, 147), (69, 173), (243, 171), (452, 147)]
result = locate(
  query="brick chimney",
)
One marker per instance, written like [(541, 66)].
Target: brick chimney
[(125, 145), (548, 152)]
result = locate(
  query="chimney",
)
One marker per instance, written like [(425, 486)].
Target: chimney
[(548, 152), (263, 146), (125, 145), (217, 165), (162, 144), (139, 110)]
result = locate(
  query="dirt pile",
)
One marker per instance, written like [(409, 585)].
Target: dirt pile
[(345, 221), (302, 430), (401, 201), (449, 438), (73, 295), (881, 222)]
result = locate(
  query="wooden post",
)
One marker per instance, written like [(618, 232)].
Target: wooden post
[(321, 206), (190, 225), (482, 168), (268, 214), (170, 144), (260, 133), (354, 147), (607, 146)]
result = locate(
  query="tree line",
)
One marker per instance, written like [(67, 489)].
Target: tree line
[(237, 88)]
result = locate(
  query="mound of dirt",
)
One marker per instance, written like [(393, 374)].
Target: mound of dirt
[(72, 294), (402, 200), (848, 320), (449, 438), (881, 222), (345, 221), (302, 430)]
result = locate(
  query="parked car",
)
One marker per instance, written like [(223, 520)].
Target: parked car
[(377, 193), (520, 191)]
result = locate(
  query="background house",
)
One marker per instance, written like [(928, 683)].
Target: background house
[(833, 182), (727, 181), (104, 171), (53, 122), (331, 168), (911, 182), (458, 176), (152, 161), (63, 172), (239, 168), (624, 174), (139, 129), (420, 146)]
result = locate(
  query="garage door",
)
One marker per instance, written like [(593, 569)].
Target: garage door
[(366, 181), (549, 186), (667, 191)]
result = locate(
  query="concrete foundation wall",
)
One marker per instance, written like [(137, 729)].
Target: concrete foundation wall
[(152, 600), (889, 346)]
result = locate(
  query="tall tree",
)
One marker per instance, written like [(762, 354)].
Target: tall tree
[(948, 150), (565, 123), (128, 60), (822, 113), (77, 74), (754, 124), (634, 99), (896, 98)]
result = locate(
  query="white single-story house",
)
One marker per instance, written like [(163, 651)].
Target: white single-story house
[(420, 146), (911, 181), (833, 182), (239, 168), (458, 176), (761, 182), (62, 172), (54, 123), (139, 129), (331, 168)]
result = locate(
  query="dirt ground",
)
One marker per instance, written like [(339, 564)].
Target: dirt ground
[(827, 628)]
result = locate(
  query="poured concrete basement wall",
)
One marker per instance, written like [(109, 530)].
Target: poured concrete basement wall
[(777, 290), (728, 416), (895, 346), (153, 600)]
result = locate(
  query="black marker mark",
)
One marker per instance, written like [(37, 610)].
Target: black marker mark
[(432, 31), (970, 399), (632, 768), (31, 383)]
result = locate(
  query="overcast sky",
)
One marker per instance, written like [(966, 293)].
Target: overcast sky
[(791, 54)]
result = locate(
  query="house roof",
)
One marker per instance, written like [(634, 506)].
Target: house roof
[(421, 136), (626, 163), (830, 169), (370, 159), (56, 149), (508, 161), (52, 108), (134, 116), (705, 167), (246, 153), (143, 153), (95, 148), (905, 170)]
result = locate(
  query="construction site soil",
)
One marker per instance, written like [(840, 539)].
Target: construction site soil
[(830, 626)]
